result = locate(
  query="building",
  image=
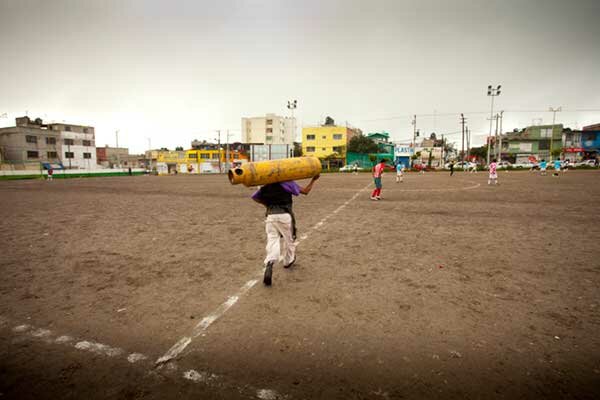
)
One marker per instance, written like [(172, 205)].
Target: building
[(113, 156), (270, 129), (531, 143), (262, 152), (30, 143), (328, 140), (572, 147), (590, 141)]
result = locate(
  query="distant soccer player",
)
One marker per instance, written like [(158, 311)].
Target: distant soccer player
[(493, 173), (280, 223), (543, 166), (399, 172), (50, 173), (556, 167), (377, 173)]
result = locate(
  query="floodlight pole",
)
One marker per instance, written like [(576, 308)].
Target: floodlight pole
[(553, 111), (493, 92), (292, 105)]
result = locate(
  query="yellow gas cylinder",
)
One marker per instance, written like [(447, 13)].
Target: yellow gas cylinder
[(264, 172)]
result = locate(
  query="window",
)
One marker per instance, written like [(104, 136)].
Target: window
[(50, 140), (269, 130), (337, 149), (87, 142), (87, 155), (337, 136), (215, 156), (32, 154), (269, 138), (324, 137), (544, 145), (69, 142), (68, 128), (31, 139), (204, 155), (52, 154), (69, 154), (269, 122), (323, 148), (193, 156), (85, 130), (310, 137), (310, 149), (546, 133)]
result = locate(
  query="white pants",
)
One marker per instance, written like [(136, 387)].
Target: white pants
[(280, 244)]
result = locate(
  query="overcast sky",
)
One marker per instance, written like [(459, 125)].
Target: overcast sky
[(173, 71)]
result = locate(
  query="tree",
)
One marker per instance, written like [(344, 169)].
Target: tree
[(297, 149), (362, 144), (479, 152), (178, 148), (556, 152)]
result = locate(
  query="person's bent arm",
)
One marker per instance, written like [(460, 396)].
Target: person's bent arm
[(308, 188)]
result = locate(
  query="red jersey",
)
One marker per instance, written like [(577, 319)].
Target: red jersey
[(378, 170)]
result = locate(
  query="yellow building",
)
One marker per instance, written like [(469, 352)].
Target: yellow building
[(327, 140)]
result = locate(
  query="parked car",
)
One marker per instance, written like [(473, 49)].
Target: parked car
[(461, 165), (586, 163), (527, 165), (503, 164), (350, 168)]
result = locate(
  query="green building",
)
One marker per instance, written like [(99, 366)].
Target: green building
[(531, 142)]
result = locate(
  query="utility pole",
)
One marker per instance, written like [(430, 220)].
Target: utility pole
[(414, 124), (443, 145), (497, 117), (493, 92), (227, 152), (553, 111), (500, 138), (468, 144), (117, 149), (462, 122), (219, 149)]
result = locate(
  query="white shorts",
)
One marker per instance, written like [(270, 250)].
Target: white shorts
[(494, 176)]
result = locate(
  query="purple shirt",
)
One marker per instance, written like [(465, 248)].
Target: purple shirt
[(290, 186)]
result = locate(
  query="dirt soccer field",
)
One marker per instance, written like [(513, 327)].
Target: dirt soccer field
[(447, 288)]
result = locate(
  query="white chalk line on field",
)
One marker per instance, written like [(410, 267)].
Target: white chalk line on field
[(85, 345), (207, 321), (474, 186)]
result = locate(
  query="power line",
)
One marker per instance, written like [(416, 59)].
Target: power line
[(449, 114)]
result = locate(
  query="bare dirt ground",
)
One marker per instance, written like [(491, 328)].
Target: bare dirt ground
[(447, 288)]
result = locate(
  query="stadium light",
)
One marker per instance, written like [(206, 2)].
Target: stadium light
[(492, 92)]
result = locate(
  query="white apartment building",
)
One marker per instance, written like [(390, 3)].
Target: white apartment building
[(270, 129), (78, 145)]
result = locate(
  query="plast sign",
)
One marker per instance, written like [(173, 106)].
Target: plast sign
[(403, 151)]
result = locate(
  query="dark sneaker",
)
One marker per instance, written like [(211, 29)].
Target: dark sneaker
[(290, 264), (268, 273)]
